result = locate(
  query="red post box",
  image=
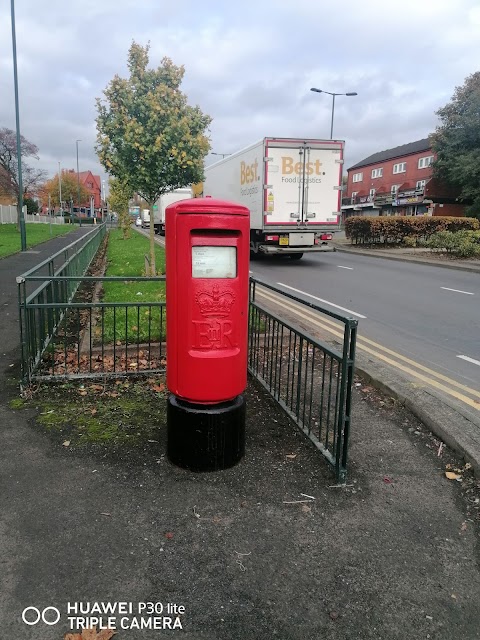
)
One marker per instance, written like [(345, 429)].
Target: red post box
[(207, 250)]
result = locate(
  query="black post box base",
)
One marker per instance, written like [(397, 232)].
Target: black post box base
[(205, 437)]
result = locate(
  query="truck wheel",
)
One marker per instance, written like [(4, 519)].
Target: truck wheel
[(254, 250), (296, 256)]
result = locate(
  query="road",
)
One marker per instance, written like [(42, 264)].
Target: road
[(428, 317), (421, 320)]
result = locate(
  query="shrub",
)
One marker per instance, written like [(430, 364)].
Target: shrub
[(464, 244), (395, 229)]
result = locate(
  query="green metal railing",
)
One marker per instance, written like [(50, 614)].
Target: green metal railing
[(309, 379), (97, 338), (60, 277), (64, 337)]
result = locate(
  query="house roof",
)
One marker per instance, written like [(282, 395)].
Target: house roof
[(396, 152), (85, 175)]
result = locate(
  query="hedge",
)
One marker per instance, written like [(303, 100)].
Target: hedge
[(396, 229)]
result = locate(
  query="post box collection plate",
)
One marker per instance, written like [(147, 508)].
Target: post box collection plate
[(214, 262)]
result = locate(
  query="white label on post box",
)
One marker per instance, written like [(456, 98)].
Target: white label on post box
[(214, 262)]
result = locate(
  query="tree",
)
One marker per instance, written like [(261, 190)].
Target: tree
[(457, 142), (120, 194), (9, 179), (69, 189), (31, 204), (148, 135)]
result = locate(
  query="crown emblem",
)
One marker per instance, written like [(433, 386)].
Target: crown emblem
[(215, 303)]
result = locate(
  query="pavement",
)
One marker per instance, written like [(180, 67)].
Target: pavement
[(271, 548), (420, 255), (453, 422)]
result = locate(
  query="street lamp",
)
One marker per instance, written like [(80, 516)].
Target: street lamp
[(23, 235), (351, 93), (220, 154), (78, 181), (103, 197), (60, 188)]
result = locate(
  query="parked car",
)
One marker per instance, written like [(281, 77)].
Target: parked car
[(138, 222)]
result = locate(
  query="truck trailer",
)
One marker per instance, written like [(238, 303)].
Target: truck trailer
[(162, 203), (293, 188)]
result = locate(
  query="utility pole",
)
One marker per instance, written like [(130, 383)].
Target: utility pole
[(78, 181), (60, 188), (23, 235)]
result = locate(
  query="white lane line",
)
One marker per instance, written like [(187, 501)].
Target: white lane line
[(340, 267), (304, 293), (468, 293), (470, 360)]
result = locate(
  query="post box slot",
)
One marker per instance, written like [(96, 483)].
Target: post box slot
[(215, 233)]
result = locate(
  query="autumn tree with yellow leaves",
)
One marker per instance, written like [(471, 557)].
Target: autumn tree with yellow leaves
[(148, 136)]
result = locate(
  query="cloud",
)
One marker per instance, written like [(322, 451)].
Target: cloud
[(249, 65)]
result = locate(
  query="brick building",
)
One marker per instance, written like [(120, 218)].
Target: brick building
[(398, 182), (92, 184)]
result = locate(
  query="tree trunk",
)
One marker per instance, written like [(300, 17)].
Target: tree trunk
[(153, 268)]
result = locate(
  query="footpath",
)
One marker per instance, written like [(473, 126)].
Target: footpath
[(270, 549)]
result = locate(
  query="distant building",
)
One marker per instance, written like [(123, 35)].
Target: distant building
[(92, 184), (399, 182)]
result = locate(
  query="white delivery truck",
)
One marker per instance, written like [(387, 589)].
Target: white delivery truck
[(162, 203), (292, 188), (145, 218)]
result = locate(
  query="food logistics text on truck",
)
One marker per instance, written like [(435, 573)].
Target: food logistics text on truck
[(292, 188)]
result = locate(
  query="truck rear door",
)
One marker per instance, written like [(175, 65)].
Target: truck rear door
[(302, 183)]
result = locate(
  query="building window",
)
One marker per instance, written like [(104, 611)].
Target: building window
[(354, 194), (420, 184), (401, 167), (377, 173), (90, 185), (423, 163), (372, 193), (357, 177), (394, 189)]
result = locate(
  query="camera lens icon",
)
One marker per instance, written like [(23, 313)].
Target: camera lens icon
[(32, 615)]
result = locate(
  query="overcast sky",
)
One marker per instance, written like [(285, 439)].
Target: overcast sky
[(249, 65)]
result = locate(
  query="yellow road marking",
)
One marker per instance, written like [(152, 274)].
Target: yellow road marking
[(333, 327)]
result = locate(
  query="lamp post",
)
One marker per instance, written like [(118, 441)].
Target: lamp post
[(350, 93), (23, 235), (78, 181), (60, 188), (103, 197), (220, 154)]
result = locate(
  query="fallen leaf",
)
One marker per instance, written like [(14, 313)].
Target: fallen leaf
[(66, 443), (387, 480), (93, 411), (452, 476), (291, 456), (463, 527), (82, 392), (169, 535), (96, 387), (106, 634), (333, 615), (158, 388), (306, 508)]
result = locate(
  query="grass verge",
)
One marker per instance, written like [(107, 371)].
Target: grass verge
[(141, 322), (10, 241)]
